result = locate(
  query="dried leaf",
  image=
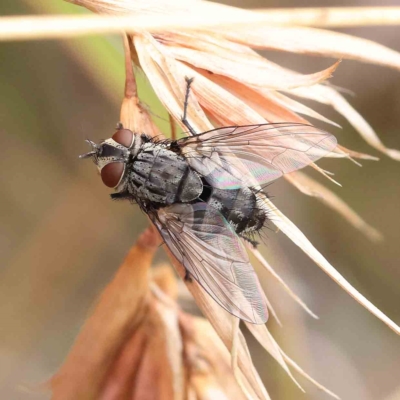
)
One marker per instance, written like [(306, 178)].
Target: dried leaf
[(168, 84), (232, 111), (239, 68), (223, 52), (308, 377), (264, 337), (351, 155), (297, 107), (272, 311), (313, 41), (260, 101), (326, 174), (311, 187), (297, 237), (119, 311), (327, 95), (268, 267)]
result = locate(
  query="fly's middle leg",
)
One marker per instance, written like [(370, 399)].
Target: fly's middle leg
[(185, 106)]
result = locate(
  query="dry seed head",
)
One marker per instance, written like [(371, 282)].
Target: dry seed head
[(138, 344), (235, 86)]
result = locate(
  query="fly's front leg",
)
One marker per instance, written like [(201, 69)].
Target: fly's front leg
[(185, 106), (121, 196)]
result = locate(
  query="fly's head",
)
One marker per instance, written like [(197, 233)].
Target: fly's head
[(112, 155)]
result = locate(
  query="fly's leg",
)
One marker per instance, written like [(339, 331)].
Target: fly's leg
[(187, 277), (249, 239), (121, 196), (185, 106)]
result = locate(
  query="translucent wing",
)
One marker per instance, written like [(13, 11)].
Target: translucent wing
[(208, 247), (250, 155)]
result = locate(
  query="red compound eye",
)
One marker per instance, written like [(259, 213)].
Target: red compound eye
[(124, 137), (111, 174)]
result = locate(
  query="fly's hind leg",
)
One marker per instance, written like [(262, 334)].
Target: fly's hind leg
[(249, 239), (185, 106), (187, 277)]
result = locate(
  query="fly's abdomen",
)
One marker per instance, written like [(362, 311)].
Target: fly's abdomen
[(162, 176), (240, 209)]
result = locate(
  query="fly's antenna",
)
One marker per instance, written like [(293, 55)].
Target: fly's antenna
[(90, 153)]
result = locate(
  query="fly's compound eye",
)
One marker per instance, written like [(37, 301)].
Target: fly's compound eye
[(111, 174), (124, 137)]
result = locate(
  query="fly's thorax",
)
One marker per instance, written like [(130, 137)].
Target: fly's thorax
[(160, 175)]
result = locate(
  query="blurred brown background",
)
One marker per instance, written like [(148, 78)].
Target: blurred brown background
[(62, 238)]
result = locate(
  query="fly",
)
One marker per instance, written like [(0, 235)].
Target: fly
[(202, 193)]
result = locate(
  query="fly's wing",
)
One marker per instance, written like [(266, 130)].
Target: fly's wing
[(208, 247), (252, 155)]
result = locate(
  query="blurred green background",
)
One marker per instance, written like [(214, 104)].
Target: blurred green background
[(62, 238)]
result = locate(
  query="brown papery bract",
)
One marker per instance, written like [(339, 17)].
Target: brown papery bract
[(123, 313), (138, 345)]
